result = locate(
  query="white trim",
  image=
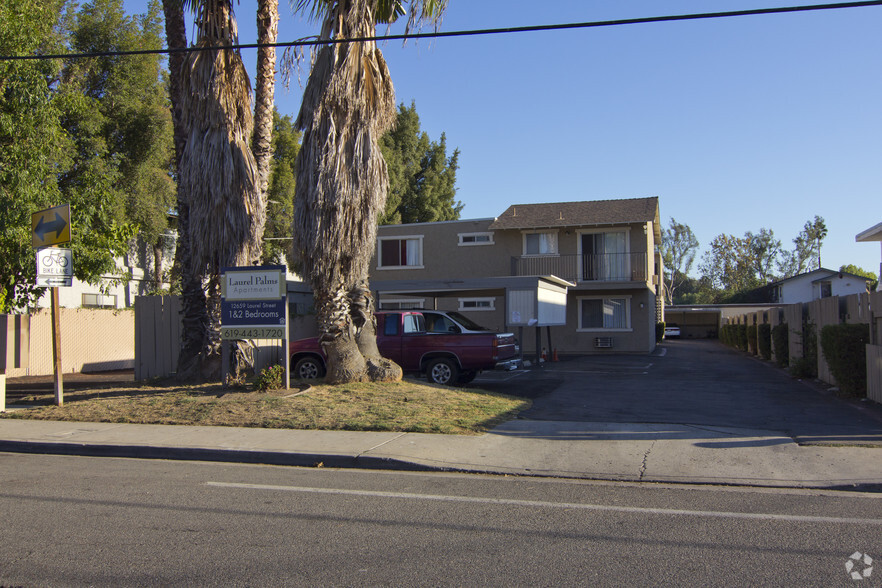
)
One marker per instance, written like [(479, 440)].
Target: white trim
[(476, 234), (554, 232), (626, 297), (420, 303), (490, 299), (399, 238)]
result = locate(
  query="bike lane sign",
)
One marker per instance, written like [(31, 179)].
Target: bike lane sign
[(54, 267)]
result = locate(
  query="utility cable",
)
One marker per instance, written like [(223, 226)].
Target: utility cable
[(440, 34)]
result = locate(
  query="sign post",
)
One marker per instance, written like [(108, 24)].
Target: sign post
[(254, 305), (54, 268)]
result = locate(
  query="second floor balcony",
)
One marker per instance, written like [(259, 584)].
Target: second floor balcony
[(607, 267)]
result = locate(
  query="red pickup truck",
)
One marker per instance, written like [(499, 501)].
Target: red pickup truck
[(445, 358)]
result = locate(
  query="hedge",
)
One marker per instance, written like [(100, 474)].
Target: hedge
[(781, 344), (751, 339), (764, 340), (844, 348), (659, 332)]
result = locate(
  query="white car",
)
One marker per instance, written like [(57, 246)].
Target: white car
[(672, 332)]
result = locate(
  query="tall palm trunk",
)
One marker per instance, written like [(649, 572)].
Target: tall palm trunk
[(341, 188), (218, 170), (262, 143), (194, 332)]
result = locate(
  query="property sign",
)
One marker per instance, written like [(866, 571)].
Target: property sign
[(51, 226), (54, 267), (253, 302)]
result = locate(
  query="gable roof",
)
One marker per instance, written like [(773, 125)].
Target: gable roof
[(577, 214), (822, 274)]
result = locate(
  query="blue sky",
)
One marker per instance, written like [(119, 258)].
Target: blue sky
[(735, 124)]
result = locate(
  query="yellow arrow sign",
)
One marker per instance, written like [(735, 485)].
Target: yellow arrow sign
[(51, 226)]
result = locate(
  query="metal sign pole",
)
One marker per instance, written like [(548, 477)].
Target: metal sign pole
[(287, 345)]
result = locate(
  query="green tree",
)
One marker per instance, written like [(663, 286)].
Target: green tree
[(859, 271), (678, 247), (43, 162), (280, 193), (728, 265), (342, 181), (806, 254), (765, 250), (123, 124), (422, 178)]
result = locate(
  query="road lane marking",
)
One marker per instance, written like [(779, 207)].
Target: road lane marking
[(557, 505)]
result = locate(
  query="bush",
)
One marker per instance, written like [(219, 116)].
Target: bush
[(659, 332), (764, 340), (751, 339), (270, 378), (741, 337), (781, 344), (844, 348)]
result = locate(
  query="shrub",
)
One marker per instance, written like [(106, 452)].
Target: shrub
[(270, 378), (659, 332), (844, 348), (781, 344), (764, 340), (741, 337), (751, 339)]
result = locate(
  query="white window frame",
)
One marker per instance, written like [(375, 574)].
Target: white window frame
[(554, 232), (101, 300), (419, 302), (380, 241), (489, 299), (462, 243), (626, 297), (580, 233)]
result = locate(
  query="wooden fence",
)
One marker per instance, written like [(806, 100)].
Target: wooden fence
[(158, 337)]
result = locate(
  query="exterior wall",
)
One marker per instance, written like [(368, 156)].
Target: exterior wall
[(91, 340), (806, 288)]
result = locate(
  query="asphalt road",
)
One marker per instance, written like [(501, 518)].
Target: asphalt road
[(76, 521), (695, 382)]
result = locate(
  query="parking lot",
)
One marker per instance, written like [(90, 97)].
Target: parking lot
[(695, 382)]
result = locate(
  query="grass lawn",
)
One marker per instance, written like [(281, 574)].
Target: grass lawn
[(407, 406)]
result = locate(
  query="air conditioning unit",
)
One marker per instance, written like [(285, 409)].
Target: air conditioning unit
[(603, 342)]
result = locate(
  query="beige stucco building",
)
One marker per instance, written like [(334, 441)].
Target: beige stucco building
[(583, 275)]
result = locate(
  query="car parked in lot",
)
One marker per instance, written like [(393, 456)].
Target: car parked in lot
[(672, 332), (445, 358)]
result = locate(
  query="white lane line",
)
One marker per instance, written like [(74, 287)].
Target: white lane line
[(557, 505)]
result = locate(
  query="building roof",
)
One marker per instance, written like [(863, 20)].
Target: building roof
[(871, 234), (823, 274), (578, 214)]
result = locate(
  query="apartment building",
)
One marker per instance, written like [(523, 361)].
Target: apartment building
[(576, 277)]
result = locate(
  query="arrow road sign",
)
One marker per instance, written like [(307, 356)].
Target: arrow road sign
[(51, 226)]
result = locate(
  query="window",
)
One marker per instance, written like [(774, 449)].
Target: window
[(826, 289), (466, 239), (390, 327), (540, 243), (605, 313), (402, 304), (477, 304), (400, 252), (605, 256), (99, 300)]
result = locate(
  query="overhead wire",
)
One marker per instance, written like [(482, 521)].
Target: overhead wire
[(476, 32)]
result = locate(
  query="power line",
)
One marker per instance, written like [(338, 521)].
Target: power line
[(439, 34)]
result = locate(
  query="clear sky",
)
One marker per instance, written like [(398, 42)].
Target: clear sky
[(735, 124)]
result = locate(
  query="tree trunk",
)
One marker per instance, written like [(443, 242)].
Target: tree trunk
[(361, 309), (345, 362), (158, 274), (267, 33)]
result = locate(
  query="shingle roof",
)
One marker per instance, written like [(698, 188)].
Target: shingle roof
[(572, 214)]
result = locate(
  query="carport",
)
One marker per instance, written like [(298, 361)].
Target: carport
[(695, 322)]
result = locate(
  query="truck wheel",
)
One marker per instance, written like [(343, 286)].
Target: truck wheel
[(308, 368), (442, 371)]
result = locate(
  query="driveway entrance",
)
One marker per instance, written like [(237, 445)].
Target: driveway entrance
[(694, 382)]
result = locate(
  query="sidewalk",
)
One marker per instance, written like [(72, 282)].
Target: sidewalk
[(599, 451)]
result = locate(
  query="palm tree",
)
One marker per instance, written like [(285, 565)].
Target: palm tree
[(342, 181), (220, 181)]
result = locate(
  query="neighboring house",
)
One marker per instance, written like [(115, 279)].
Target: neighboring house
[(872, 234), (589, 271), (820, 283)]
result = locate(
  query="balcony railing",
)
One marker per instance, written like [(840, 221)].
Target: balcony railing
[(607, 267)]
